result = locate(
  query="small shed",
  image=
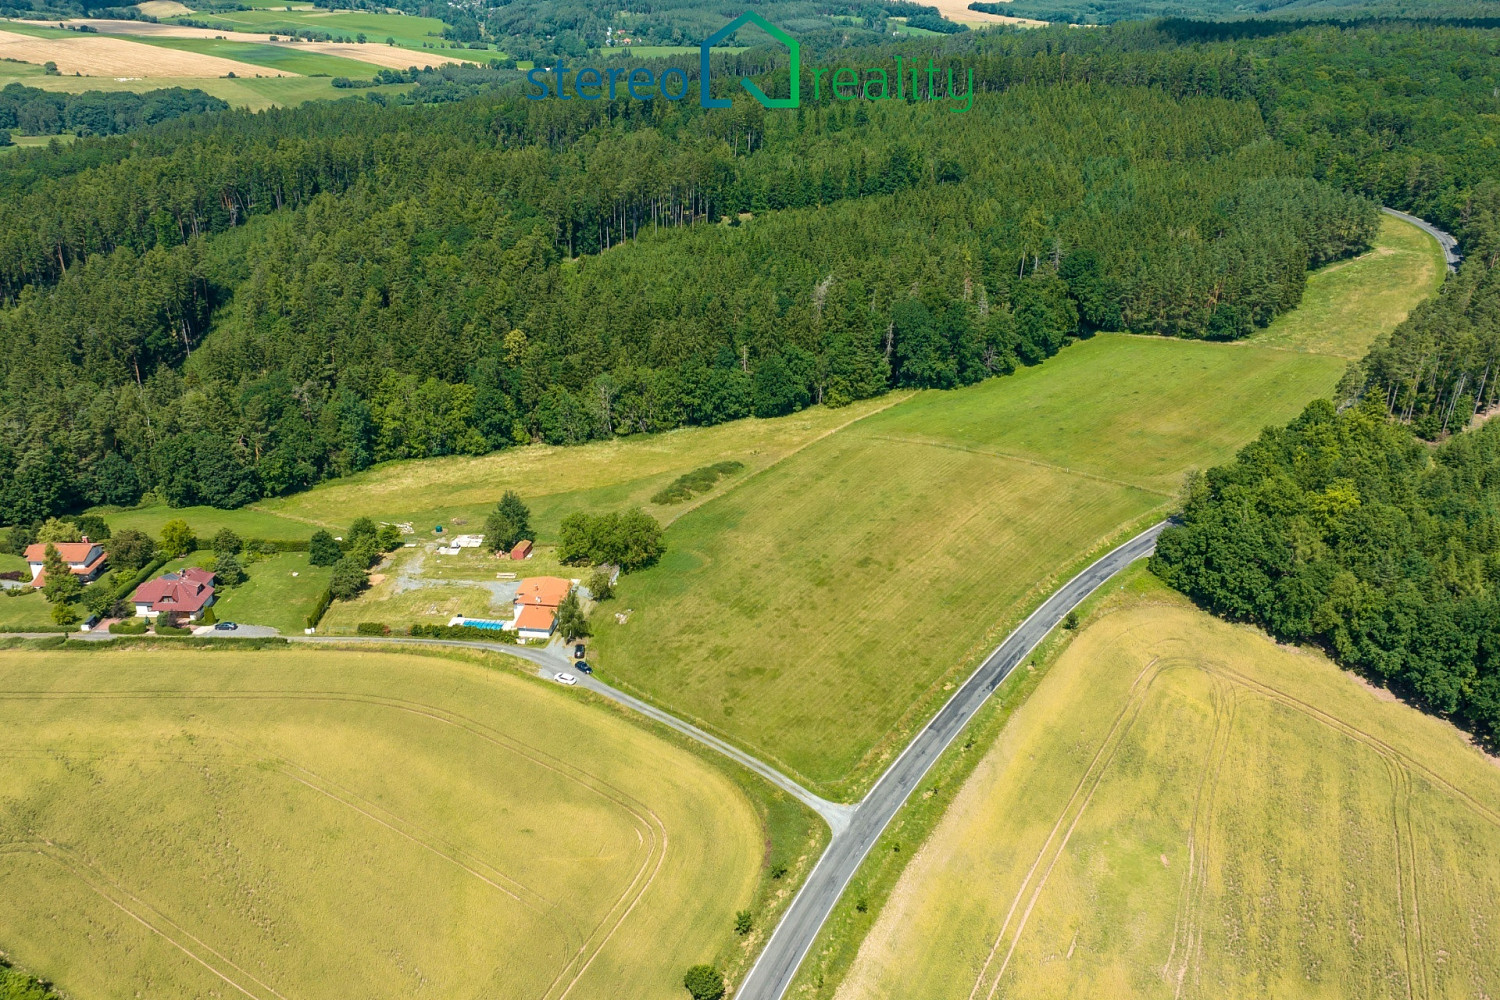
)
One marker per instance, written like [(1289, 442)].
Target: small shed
[(522, 549)]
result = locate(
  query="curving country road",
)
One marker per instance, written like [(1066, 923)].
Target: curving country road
[(1447, 241), (855, 828), (773, 971)]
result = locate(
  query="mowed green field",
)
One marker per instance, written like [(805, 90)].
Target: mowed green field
[(343, 824), (1185, 809), (254, 93), (817, 612), (408, 30), (283, 58)]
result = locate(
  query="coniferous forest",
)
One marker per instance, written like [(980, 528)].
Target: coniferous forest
[(230, 305)]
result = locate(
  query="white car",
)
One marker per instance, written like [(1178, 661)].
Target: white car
[(565, 679)]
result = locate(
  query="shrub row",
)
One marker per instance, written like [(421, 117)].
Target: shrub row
[(133, 626), (324, 599), (462, 632)]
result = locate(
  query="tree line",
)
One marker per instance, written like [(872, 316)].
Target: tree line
[(239, 306), (1343, 530)]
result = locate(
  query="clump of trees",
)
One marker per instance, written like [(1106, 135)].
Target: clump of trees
[(363, 547), (1342, 529), (508, 524), (571, 620), (704, 982), (631, 541)]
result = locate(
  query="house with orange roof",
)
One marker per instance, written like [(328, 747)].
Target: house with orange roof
[(85, 559), (536, 606)]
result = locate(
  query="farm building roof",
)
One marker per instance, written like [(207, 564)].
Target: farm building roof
[(544, 591), (535, 617)]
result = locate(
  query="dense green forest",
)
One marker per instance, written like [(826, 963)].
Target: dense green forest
[(230, 305), (239, 305), (1343, 530), (31, 111)]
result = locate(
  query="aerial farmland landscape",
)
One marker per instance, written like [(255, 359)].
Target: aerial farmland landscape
[(798, 501)]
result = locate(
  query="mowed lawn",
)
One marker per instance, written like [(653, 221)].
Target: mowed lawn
[(820, 611), (342, 824), (1184, 809)]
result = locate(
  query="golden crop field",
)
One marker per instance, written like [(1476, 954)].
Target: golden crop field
[(1185, 809), (352, 824), (93, 55)]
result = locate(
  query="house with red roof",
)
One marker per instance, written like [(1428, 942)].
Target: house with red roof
[(85, 559), (536, 606), (183, 594)]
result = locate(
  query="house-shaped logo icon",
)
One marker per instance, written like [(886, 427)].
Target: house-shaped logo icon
[(751, 17)]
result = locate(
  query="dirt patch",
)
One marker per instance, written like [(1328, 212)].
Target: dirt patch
[(1380, 693), (91, 55), (376, 579)]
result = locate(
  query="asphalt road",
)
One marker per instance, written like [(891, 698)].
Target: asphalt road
[(855, 828), (773, 971), (1445, 240)]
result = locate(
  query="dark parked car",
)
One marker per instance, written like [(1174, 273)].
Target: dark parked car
[(578, 651), (584, 666), (225, 627)]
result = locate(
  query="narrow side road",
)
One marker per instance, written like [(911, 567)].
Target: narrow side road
[(1447, 241), (789, 944)]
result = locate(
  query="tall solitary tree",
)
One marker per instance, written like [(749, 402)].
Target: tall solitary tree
[(508, 523), (59, 585)]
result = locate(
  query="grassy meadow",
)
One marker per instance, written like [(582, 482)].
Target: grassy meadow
[(879, 550), (339, 823), (1182, 808), (254, 93), (408, 30), (884, 562)]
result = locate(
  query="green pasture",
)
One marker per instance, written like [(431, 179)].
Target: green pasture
[(285, 58)]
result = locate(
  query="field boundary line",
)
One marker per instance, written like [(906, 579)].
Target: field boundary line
[(708, 498), (1098, 766)]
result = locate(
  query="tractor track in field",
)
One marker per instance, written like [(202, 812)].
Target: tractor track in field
[(654, 840), (855, 828)]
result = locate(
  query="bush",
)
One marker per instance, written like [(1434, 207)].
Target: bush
[(350, 578), (743, 923), (227, 541), (372, 628), (320, 609), (704, 982), (462, 632), (172, 630), (701, 480), (65, 615), (630, 541), (177, 539), (228, 571), (322, 550), (130, 549), (131, 626), (599, 585)]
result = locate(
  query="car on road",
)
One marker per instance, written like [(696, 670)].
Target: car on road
[(578, 651), (584, 666), (565, 679), (226, 627)]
